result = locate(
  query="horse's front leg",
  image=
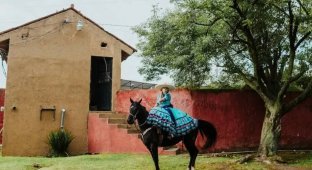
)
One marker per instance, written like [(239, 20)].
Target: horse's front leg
[(153, 148)]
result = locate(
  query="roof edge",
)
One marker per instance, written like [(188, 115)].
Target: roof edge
[(64, 10)]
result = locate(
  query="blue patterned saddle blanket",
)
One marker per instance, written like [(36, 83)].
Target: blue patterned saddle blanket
[(182, 125)]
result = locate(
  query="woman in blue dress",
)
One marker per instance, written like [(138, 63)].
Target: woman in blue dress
[(164, 98), (164, 101), (172, 120)]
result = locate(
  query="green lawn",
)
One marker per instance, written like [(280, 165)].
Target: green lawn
[(143, 162)]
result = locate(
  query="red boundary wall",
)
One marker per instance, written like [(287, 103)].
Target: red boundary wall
[(108, 138), (2, 91), (237, 116)]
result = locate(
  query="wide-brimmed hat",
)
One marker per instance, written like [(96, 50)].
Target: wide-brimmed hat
[(165, 85)]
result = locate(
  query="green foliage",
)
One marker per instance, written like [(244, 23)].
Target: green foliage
[(59, 141), (264, 44), (171, 47), (258, 42)]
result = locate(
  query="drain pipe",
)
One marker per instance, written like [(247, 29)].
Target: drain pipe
[(62, 118)]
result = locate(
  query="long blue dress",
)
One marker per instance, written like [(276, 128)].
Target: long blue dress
[(161, 117)]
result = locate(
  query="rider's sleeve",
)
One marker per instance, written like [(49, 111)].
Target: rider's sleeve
[(167, 97)]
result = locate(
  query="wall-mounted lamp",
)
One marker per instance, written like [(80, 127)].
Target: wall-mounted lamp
[(79, 25)]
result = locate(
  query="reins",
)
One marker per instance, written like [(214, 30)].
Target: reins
[(140, 125)]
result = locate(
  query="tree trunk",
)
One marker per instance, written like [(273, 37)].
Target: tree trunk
[(270, 135)]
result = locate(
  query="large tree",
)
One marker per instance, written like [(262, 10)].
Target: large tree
[(264, 43)]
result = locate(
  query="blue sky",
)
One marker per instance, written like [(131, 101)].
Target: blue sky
[(116, 16)]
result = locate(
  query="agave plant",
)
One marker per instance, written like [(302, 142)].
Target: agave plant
[(59, 141)]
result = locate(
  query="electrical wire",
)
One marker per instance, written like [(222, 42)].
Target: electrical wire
[(58, 27), (117, 25), (38, 36), (107, 24)]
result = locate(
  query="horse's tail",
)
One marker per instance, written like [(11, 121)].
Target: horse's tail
[(208, 131)]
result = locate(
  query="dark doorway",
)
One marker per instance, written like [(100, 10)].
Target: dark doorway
[(101, 84)]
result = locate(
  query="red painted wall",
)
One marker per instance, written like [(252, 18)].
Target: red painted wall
[(108, 138), (180, 99), (237, 116), (2, 91)]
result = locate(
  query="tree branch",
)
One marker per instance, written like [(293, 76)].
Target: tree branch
[(292, 52), (237, 39), (231, 26), (286, 84), (252, 46), (254, 2), (210, 24), (238, 51), (280, 9), (282, 67), (302, 39), (250, 82), (303, 7), (296, 26), (291, 23), (254, 86), (237, 8), (306, 93), (296, 77), (276, 57)]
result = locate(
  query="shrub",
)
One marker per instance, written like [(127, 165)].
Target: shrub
[(59, 141)]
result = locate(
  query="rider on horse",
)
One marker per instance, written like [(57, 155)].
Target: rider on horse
[(168, 118)]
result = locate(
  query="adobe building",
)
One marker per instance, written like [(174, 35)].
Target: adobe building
[(60, 61)]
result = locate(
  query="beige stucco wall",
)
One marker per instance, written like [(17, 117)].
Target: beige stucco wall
[(52, 68)]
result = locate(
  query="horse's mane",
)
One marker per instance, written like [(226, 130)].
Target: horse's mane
[(143, 107)]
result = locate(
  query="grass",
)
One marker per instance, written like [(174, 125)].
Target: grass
[(144, 162)]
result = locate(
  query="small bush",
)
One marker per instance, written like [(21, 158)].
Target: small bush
[(59, 141)]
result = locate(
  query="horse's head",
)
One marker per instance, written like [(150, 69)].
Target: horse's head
[(135, 109)]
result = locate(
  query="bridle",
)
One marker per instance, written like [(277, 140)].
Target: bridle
[(134, 115)]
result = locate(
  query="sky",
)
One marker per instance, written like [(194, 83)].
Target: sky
[(115, 16)]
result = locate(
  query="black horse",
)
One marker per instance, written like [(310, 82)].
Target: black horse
[(153, 137)]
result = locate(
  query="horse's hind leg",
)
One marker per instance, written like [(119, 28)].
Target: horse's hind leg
[(189, 142), (153, 148)]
